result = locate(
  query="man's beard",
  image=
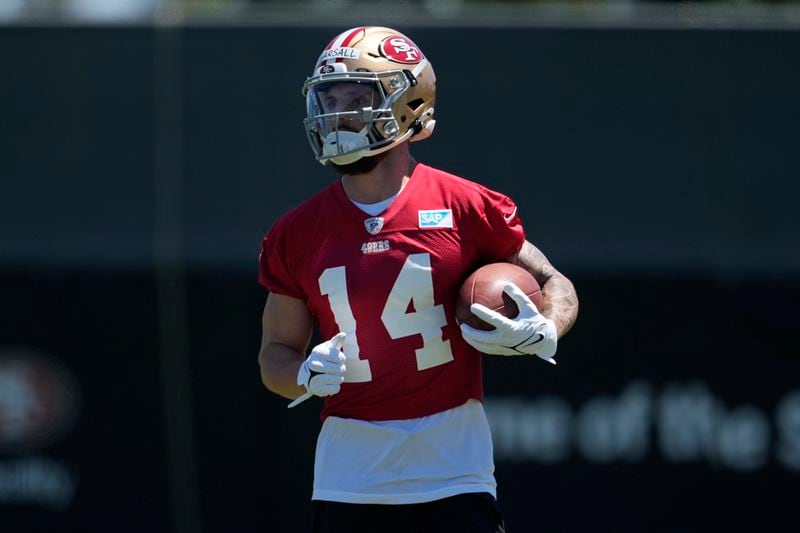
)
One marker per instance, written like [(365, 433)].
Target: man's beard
[(361, 166)]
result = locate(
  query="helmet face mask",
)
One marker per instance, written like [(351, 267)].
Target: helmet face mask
[(364, 98), (338, 106)]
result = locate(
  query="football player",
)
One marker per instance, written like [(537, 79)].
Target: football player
[(376, 259)]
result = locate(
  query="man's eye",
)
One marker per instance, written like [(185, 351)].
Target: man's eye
[(362, 101)]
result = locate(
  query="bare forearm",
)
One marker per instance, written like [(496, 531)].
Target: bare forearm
[(560, 298), (286, 332), (279, 365), (560, 302)]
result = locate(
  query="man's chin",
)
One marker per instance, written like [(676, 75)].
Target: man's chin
[(361, 166)]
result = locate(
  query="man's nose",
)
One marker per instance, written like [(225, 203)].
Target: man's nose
[(348, 124)]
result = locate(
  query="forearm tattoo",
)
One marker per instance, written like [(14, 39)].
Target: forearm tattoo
[(560, 298)]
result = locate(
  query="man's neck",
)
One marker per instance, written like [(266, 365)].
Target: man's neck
[(382, 182)]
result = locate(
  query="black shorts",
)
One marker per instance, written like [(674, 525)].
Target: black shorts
[(464, 513)]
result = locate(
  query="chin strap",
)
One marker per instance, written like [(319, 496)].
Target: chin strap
[(423, 132)]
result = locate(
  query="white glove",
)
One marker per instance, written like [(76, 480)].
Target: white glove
[(529, 333), (322, 373)]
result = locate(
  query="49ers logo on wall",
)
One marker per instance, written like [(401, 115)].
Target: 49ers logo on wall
[(400, 49), (39, 400)]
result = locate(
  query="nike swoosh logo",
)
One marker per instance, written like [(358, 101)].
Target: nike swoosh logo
[(526, 343), (510, 217), (538, 340)]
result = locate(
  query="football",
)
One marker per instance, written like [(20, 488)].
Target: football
[(485, 286)]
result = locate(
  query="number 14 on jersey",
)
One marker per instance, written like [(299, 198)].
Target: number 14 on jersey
[(413, 284)]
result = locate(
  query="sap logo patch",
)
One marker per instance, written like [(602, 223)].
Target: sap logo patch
[(436, 218)]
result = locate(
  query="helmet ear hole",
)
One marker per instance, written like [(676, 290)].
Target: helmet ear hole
[(402, 118), (415, 104)]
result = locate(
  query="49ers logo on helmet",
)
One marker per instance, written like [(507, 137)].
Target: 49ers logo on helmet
[(400, 49)]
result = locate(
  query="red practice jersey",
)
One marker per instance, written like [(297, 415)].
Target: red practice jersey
[(390, 282)]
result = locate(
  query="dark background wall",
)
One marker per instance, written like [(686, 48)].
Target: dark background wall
[(141, 167)]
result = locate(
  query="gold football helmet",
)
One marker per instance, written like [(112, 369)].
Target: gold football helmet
[(371, 89)]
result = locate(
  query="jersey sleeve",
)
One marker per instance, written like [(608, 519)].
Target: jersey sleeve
[(498, 229), (274, 268)]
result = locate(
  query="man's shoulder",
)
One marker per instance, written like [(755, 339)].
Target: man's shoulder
[(459, 186), (448, 178), (309, 210)]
